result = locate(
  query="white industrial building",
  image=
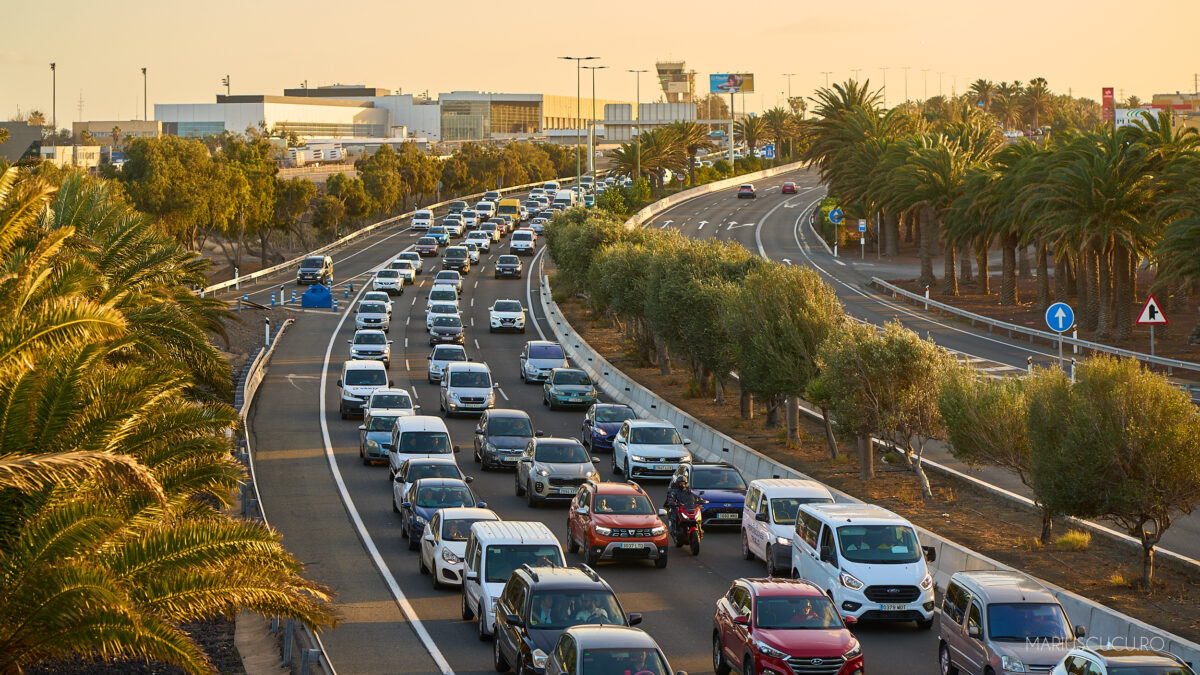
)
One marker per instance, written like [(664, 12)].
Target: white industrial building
[(304, 117)]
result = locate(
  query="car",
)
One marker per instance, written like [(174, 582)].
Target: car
[(789, 188), (532, 207), (550, 187), (553, 469), (408, 271), (492, 229), (413, 257), (453, 224), (769, 519), (372, 345), (421, 220), (436, 309), (440, 357), (745, 191), (466, 387), (507, 222), (481, 239), (369, 314), (501, 223), (389, 281), (449, 278), (472, 251), (782, 626), (501, 437), (545, 601), (601, 423), (589, 201), (379, 296), (494, 551), (375, 435), (426, 246), (413, 470), (359, 379), (539, 358), (648, 448), (444, 543), (568, 387), (538, 224), (485, 210), (392, 400), (522, 242), (442, 290), (1002, 621), (508, 265), (528, 230), (721, 487), (457, 206), (470, 218), (315, 269), (419, 436), (426, 497), (616, 521), (456, 258), (492, 196), (1120, 661), (506, 315), (440, 234), (583, 650), (446, 329)]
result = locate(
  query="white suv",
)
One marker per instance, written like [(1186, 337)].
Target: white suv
[(506, 315), (467, 388), (422, 219), (648, 448), (481, 239), (389, 281), (521, 242)]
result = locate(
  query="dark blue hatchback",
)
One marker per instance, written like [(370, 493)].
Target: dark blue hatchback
[(426, 497), (721, 486), (601, 422)]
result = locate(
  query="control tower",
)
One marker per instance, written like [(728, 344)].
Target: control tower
[(678, 83)]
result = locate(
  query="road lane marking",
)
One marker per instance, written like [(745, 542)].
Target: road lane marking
[(501, 390), (476, 341)]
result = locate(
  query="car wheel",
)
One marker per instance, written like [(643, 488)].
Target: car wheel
[(530, 496), (387, 365), (345, 416), (661, 563), (748, 664), (720, 667), (395, 509), (572, 545), (467, 614), (481, 628), (413, 541), (947, 667), (403, 525), (591, 557), (435, 579), (772, 570), (747, 554), (491, 329), (431, 380), (522, 330), (615, 469), (625, 471)]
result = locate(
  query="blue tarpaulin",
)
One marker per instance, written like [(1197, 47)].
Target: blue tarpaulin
[(317, 296)]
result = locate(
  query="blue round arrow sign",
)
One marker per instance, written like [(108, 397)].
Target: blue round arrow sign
[(835, 216), (1060, 317)]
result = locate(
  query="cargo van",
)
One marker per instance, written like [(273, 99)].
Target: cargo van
[(565, 198), (494, 550), (512, 208)]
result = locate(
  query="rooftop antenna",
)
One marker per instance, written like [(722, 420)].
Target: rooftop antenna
[(80, 107)]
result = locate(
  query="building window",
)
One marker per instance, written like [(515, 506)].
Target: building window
[(513, 117)]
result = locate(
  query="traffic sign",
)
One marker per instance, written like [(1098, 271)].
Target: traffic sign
[(1151, 314), (1060, 317), (680, 177), (836, 217), (768, 151), (862, 225)]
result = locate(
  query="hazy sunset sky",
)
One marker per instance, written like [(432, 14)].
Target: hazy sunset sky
[(266, 45)]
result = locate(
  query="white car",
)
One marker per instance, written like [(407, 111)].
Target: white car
[(422, 219), (372, 315), (391, 399), (371, 345), (506, 315), (442, 356), (485, 210), (388, 280), (379, 296), (481, 239), (444, 543), (470, 218), (472, 251), (522, 242), (453, 225), (441, 293), (769, 518), (406, 269), (648, 448), (439, 309)]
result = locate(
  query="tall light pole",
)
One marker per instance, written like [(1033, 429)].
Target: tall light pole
[(925, 76), (856, 71), (578, 107), (54, 97), (789, 77), (826, 73), (638, 112), (225, 81), (592, 135), (884, 69), (145, 90), (940, 90), (905, 69)]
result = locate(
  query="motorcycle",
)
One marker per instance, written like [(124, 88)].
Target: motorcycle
[(686, 528)]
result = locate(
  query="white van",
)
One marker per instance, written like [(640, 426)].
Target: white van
[(359, 379), (484, 210), (494, 550), (422, 219), (418, 436), (769, 518), (868, 559), (467, 388)]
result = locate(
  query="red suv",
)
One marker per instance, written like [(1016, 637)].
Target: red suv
[(782, 627), (616, 521)]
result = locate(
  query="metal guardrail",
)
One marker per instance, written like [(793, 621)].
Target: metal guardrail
[(1033, 333)]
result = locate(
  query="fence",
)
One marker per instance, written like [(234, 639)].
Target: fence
[(299, 642)]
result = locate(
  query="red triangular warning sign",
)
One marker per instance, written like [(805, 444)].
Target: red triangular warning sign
[(1151, 314)]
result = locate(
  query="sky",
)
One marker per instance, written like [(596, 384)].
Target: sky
[(266, 45)]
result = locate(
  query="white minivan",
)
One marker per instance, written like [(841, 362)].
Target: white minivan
[(494, 550), (418, 436), (868, 559), (769, 518), (421, 220)]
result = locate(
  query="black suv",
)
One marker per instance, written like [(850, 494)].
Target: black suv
[(509, 266), (539, 603), (501, 437), (457, 258), (316, 269)]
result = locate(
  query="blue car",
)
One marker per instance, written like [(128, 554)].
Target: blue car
[(721, 486), (601, 422), (426, 497), (440, 234)]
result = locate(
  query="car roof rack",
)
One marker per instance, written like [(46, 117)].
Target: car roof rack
[(591, 573), (529, 570)]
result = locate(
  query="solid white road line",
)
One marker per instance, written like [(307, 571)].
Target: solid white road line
[(501, 390), (529, 294)]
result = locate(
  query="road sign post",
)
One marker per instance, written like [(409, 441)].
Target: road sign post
[(1060, 317), (862, 237), (836, 216), (768, 151), (1152, 316)]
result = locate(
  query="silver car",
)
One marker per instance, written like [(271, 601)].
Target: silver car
[(371, 343), (553, 468), (442, 356), (372, 315), (539, 357)]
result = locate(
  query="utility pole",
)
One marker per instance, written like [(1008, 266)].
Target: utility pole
[(940, 74), (826, 73), (925, 77), (54, 97), (789, 77), (637, 112), (225, 81), (578, 107), (592, 135), (905, 69), (145, 92), (856, 71), (884, 69)]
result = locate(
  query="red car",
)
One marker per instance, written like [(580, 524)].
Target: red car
[(426, 246), (789, 188), (782, 626)]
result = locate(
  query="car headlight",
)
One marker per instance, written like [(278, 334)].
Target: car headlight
[(539, 658), (454, 396), (783, 541), (372, 445), (601, 530), (854, 651), (450, 557), (435, 368), (850, 582), (420, 521), (351, 397), (767, 650), (599, 432), (657, 530), (638, 458), (927, 583), (1012, 664), (489, 446), (543, 473)]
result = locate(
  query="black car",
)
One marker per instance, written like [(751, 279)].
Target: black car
[(458, 206), (539, 603), (316, 269), (501, 437), (446, 328), (509, 266), (457, 258)]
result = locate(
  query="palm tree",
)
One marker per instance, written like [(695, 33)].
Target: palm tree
[(750, 131), (1038, 100), (692, 138), (983, 91), (778, 122), (1007, 109)]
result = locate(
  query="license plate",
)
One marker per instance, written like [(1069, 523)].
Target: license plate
[(509, 460), (568, 490), (727, 516), (893, 607), (632, 545), (663, 467), (576, 399)]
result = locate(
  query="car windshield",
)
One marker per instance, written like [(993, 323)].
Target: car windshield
[(722, 478), (473, 379), (559, 610), (572, 377), (444, 496), (313, 262), (508, 260), (365, 378), (629, 505), (401, 265), (502, 559), (522, 236), (614, 414), (489, 226), (457, 529), (437, 229), (443, 295), (447, 321), (411, 257), (456, 253), (784, 509), (423, 214), (471, 246), (784, 613), (370, 339), (879, 544), (654, 436), (507, 306), (450, 277), (387, 274), (419, 471), (385, 423), (443, 309), (424, 443), (510, 426), (372, 308), (468, 213), (449, 354), (391, 402), (546, 352), (427, 241), (637, 661), (561, 453), (1025, 621)]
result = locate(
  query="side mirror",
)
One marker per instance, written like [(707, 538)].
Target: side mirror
[(481, 505), (974, 631), (495, 385), (514, 620), (849, 621), (429, 358), (687, 441), (391, 383), (742, 620), (457, 449), (1080, 631), (362, 427), (405, 505), (761, 517), (472, 576), (930, 553), (827, 555), (398, 478), (635, 618), (539, 433), (386, 447), (468, 479), (662, 513), (339, 383), (390, 341), (595, 460), (349, 342)]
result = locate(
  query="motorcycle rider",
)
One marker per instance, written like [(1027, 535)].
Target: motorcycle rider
[(680, 494)]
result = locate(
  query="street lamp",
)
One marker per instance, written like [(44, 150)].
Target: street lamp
[(856, 71), (578, 106), (592, 135), (225, 81), (789, 77), (940, 90), (905, 69), (145, 89), (637, 111), (884, 69), (925, 77), (54, 97), (826, 73)]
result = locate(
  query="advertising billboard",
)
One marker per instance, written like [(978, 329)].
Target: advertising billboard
[(731, 83), (1107, 103)]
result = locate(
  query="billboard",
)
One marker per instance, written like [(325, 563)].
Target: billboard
[(731, 83), (1126, 117), (1107, 103)]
